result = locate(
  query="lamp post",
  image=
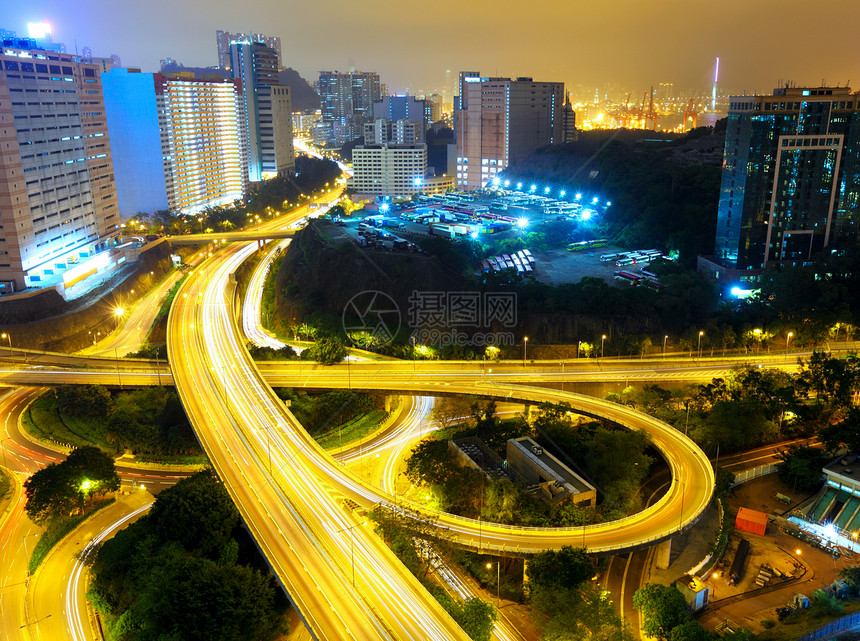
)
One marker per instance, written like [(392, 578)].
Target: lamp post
[(8, 337), (665, 338), (351, 547), (525, 348), (602, 344), (699, 348), (498, 579), (118, 312), (578, 347), (787, 342)]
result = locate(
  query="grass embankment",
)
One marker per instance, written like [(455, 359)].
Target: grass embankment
[(139, 430), (5, 485), (158, 331), (351, 431), (801, 622), (56, 531), (44, 420)]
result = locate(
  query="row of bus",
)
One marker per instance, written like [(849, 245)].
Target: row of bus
[(522, 261), (632, 258)]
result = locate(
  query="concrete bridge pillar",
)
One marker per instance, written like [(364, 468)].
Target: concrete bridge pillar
[(663, 554), (389, 402)]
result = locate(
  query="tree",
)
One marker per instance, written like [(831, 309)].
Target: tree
[(477, 618), (83, 400), (197, 512), (446, 411), (565, 568), (61, 487), (801, 467), (663, 609), (845, 433), (50, 494), (690, 631), (327, 351)]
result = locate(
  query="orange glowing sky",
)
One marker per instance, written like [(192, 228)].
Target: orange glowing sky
[(630, 45)]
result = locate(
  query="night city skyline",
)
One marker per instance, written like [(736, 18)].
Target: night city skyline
[(668, 44), (429, 322)]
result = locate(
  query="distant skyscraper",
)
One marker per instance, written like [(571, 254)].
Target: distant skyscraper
[(224, 38), (268, 110), (58, 204), (791, 179), (180, 141), (347, 102), (501, 122), (39, 37), (402, 107)]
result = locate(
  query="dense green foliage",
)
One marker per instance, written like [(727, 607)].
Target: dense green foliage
[(319, 413), (327, 350), (187, 570), (663, 609), (575, 608), (149, 421), (616, 457), (58, 489), (408, 534), (270, 353), (801, 466), (753, 405)]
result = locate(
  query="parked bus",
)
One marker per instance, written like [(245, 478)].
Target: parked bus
[(627, 260), (627, 277), (608, 257), (575, 247)]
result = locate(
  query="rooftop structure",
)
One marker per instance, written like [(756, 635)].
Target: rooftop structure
[(533, 465)]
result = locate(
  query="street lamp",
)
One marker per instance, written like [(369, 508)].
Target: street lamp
[(525, 348), (351, 547), (498, 579), (699, 348), (578, 347), (8, 338), (602, 344), (665, 338)]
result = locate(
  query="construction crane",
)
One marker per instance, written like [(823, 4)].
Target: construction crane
[(624, 117), (691, 116), (640, 124), (652, 114)]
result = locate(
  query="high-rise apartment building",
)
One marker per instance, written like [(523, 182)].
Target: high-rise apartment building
[(347, 102), (58, 204), (182, 141), (224, 38), (501, 121), (396, 108), (790, 182), (401, 132), (268, 110), (388, 170)]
